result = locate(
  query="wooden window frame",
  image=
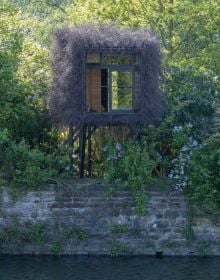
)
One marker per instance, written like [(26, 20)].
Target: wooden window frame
[(111, 68)]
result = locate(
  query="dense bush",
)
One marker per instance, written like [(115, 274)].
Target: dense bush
[(188, 120), (176, 148), (132, 164), (204, 175), (184, 147), (21, 166)]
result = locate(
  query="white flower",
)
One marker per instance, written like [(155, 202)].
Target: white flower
[(177, 128), (194, 143), (118, 146), (74, 156), (59, 146), (189, 125), (104, 149), (159, 156), (184, 148)]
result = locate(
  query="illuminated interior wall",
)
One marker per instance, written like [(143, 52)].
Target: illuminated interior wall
[(93, 90)]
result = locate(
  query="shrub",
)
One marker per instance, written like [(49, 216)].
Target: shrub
[(23, 167), (56, 247), (204, 176), (37, 233), (131, 163)]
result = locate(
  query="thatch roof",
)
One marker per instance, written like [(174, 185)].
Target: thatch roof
[(67, 97)]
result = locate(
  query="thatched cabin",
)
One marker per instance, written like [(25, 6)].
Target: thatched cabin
[(105, 76)]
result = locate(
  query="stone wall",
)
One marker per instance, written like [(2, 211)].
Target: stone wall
[(82, 218)]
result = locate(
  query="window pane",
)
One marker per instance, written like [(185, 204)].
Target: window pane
[(121, 90), (116, 59), (97, 99), (93, 90), (121, 98), (93, 58), (121, 79)]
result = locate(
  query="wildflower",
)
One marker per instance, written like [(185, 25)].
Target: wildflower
[(118, 146), (177, 128), (104, 149), (170, 175), (184, 149), (74, 156), (184, 184), (159, 156), (194, 143), (189, 125)]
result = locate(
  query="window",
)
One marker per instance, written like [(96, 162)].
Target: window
[(121, 90), (110, 82)]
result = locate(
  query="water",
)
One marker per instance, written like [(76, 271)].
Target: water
[(104, 268)]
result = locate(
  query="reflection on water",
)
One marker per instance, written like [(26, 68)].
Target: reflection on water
[(104, 268)]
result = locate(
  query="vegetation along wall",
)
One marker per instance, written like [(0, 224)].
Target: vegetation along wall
[(85, 218)]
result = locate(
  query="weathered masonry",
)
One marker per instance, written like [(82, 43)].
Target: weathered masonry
[(81, 219)]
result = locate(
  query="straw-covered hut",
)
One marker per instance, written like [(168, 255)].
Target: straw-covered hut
[(105, 76)]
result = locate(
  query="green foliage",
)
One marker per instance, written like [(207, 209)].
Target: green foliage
[(56, 247), (168, 244), (140, 198), (119, 228), (75, 232), (188, 29), (190, 234), (23, 90), (23, 167), (187, 122), (204, 178), (37, 234), (203, 247), (18, 235), (12, 235), (190, 46), (131, 163), (118, 248)]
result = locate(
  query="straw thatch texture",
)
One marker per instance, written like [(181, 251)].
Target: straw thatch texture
[(67, 97)]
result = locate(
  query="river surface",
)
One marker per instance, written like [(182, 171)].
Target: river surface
[(104, 268)]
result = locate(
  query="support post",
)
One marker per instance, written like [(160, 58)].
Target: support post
[(70, 141), (89, 151), (82, 145)]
